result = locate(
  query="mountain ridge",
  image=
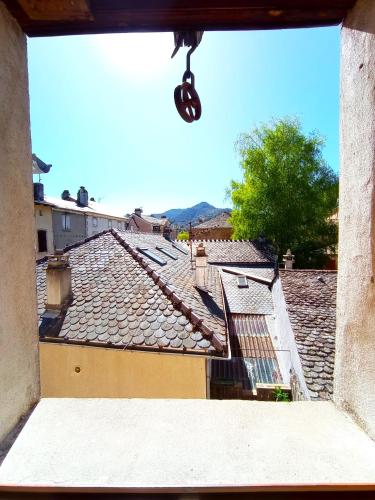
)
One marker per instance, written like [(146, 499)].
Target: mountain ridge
[(196, 214)]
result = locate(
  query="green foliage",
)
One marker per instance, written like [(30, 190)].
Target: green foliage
[(287, 192), (183, 235), (281, 395)]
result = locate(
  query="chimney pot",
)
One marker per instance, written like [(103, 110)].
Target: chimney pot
[(38, 191), (288, 259), (201, 267), (82, 197), (59, 281), (138, 211)]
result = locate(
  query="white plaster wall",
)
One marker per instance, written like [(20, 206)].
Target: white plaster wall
[(102, 224), (19, 368), (285, 339), (354, 381)]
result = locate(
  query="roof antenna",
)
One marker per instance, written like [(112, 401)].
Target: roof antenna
[(186, 97)]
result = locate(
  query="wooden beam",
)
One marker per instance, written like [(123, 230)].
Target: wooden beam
[(116, 16), (56, 10)]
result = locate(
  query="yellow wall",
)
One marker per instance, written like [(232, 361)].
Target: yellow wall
[(114, 373)]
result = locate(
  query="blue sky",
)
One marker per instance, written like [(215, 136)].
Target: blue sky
[(102, 109)]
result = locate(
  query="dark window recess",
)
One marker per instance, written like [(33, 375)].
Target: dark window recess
[(242, 282), (182, 250), (42, 241), (152, 256), (165, 251), (156, 229)]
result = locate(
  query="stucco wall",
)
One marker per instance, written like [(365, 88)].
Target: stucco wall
[(102, 224), (77, 228), (290, 363), (138, 224), (19, 380), (115, 373), (43, 220), (354, 381)]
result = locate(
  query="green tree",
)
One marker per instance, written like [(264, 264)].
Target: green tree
[(287, 192), (183, 235)]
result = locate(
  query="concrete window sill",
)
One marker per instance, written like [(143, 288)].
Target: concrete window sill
[(136, 445)]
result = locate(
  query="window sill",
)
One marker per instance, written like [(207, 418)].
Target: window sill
[(139, 445)]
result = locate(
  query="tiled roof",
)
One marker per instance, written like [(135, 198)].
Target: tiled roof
[(220, 220), (124, 299), (235, 251), (311, 303), (154, 220), (256, 298)]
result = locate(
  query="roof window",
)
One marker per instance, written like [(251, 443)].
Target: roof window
[(165, 251), (180, 249), (242, 282), (152, 255)]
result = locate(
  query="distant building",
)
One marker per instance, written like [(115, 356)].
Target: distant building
[(68, 220), (217, 228), (149, 224)]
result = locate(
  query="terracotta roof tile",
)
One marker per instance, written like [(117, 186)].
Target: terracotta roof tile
[(311, 303)]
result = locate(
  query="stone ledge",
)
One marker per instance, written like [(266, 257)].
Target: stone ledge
[(144, 445)]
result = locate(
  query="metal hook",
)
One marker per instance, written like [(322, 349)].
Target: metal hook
[(189, 52)]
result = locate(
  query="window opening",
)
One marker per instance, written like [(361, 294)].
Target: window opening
[(65, 222), (95, 221), (242, 282), (42, 241)]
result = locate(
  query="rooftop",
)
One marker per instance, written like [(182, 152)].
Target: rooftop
[(311, 303), (235, 252), (219, 221), (124, 298), (93, 207)]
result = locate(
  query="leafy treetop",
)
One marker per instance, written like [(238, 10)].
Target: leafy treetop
[(287, 193)]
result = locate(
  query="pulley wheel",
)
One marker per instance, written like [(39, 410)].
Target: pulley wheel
[(187, 102)]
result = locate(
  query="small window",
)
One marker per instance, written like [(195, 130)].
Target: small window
[(156, 229), (65, 222), (119, 224), (42, 241), (242, 282), (95, 221), (40, 213), (110, 223)]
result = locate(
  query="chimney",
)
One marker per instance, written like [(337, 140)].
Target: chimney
[(138, 211), (288, 259), (82, 197), (38, 191), (59, 281), (65, 195), (201, 267)]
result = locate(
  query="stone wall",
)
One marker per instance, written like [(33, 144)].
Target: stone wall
[(214, 233), (19, 368), (354, 382)]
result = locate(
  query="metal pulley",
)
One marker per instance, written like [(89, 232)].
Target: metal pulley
[(186, 97)]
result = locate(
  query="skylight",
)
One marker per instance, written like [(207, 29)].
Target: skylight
[(165, 251), (242, 282), (152, 255), (180, 249)]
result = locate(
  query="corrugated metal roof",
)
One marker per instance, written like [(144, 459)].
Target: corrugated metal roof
[(254, 359)]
